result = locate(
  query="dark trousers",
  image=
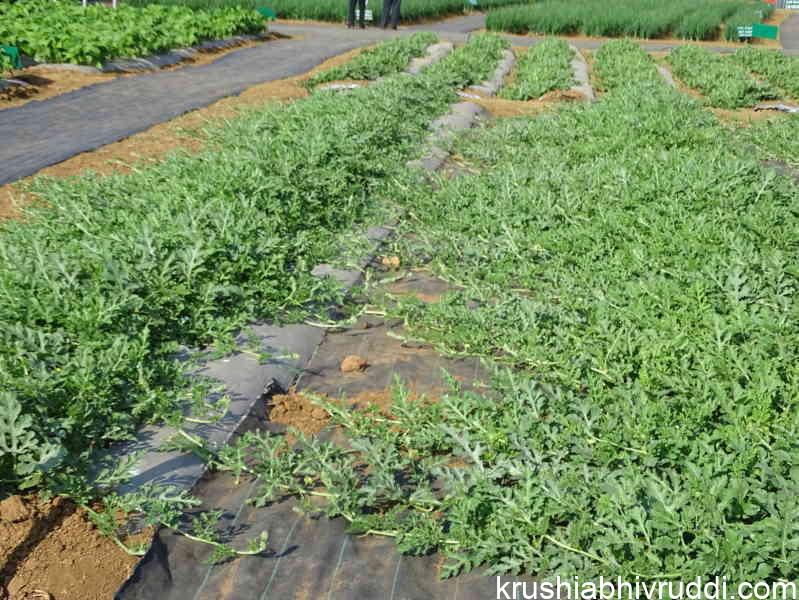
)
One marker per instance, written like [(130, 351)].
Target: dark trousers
[(351, 13), (391, 13)]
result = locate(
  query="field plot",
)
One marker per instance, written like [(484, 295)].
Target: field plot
[(336, 11), (542, 69), (780, 71), (633, 284), (247, 222), (621, 271), (385, 59), (725, 83), (685, 19), (64, 32)]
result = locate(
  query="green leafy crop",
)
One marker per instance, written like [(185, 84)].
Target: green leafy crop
[(65, 32), (631, 272), (121, 271), (335, 10), (779, 70), (622, 62), (725, 83), (541, 69), (387, 58)]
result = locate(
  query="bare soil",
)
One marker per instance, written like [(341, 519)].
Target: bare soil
[(299, 412), (184, 133), (49, 550)]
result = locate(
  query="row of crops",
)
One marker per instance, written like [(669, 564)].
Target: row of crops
[(748, 76), (122, 271), (336, 10), (60, 31), (634, 286), (626, 266), (686, 19)]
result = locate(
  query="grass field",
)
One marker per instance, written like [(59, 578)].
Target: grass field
[(687, 19)]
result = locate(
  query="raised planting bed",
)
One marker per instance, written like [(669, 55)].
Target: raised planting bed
[(780, 71), (723, 82), (385, 59), (541, 69), (65, 32), (649, 19), (622, 62), (629, 268), (127, 272)]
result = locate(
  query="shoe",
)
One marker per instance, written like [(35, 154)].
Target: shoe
[(363, 25)]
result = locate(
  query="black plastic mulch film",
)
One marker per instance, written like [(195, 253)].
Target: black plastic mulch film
[(313, 557)]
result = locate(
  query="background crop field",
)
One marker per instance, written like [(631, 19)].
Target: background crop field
[(64, 32), (687, 19), (336, 10)]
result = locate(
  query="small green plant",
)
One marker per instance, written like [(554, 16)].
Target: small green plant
[(541, 69), (5, 64), (778, 139)]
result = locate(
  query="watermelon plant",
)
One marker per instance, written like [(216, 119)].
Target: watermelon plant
[(64, 32), (384, 59), (123, 271), (622, 62), (630, 272), (778, 139), (725, 83), (779, 70), (541, 69), (5, 63)]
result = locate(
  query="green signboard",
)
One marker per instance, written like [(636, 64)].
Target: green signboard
[(267, 13), (769, 32), (13, 53), (759, 30)]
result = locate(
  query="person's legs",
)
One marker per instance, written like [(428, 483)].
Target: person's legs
[(351, 14), (395, 13), (362, 8), (386, 15)]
